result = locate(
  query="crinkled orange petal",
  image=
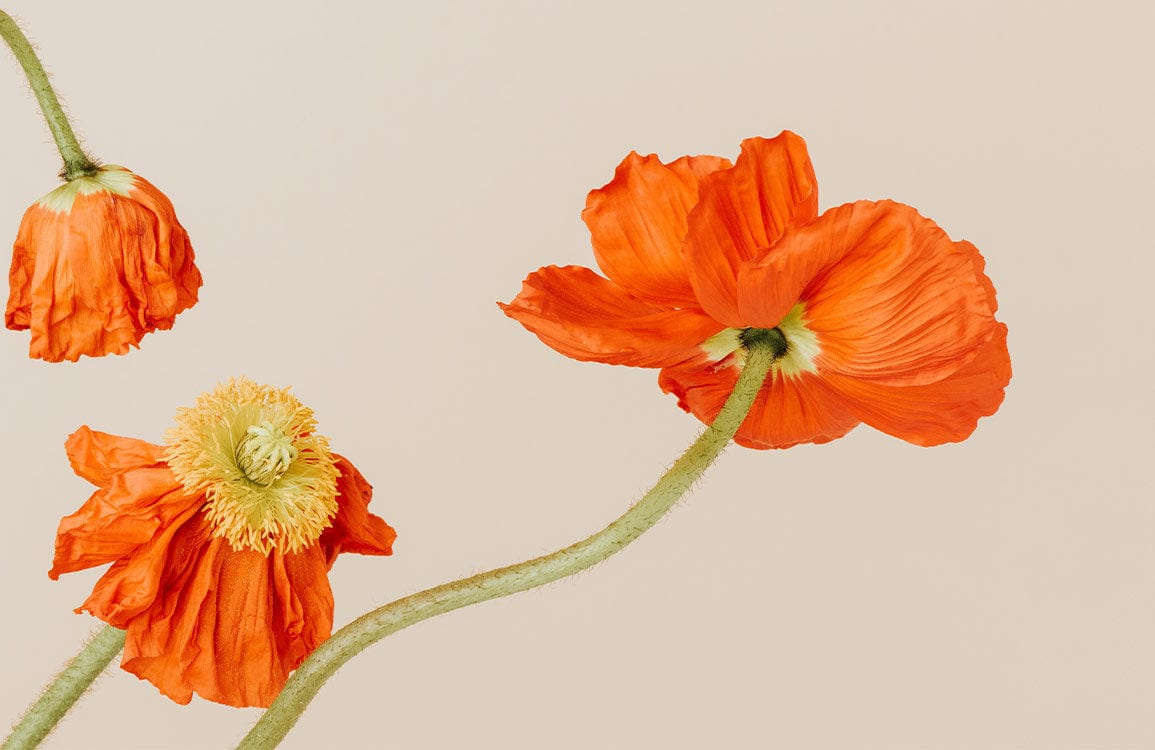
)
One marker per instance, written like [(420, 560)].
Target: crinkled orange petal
[(354, 528), (903, 305), (767, 288), (588, 317), (167, 275), (100, 457), (199, 615), (139, 497), (132, 583), (788, 410), (978, 265), (637, 224), (946, 411), (95, 279), (229, 625), (741, 213)]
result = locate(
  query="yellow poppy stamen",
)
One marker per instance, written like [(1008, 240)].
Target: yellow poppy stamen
[(268, 478)]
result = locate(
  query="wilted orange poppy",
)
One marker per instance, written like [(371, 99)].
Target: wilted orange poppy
[(220, 543), (98, 263), (879, 316)]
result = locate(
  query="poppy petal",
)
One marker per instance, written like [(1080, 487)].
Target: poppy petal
[(768, 287), (69, 284), (637, 223), (904, 305), (132, 583), (354, 528), (741, 213), (230, 625), (96, 265), (946, 411), (979, 264), (139, 498), (590, 318), (99, 457), (166, 278), (789, 409)]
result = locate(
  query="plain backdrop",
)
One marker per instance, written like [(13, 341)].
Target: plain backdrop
[(362, 181)]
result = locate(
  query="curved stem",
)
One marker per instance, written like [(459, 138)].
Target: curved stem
[(76, 162), (372, 627), (66, 689)]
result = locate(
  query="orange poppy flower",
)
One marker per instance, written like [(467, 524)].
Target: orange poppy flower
[(220, 543), (98, 263), (880, 317)]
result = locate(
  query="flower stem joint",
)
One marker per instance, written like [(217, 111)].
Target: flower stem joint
[(769, 337)]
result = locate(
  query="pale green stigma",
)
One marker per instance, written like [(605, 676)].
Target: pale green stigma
[(265, 453)]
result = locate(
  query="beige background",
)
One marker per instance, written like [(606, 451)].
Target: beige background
[(362, 182)]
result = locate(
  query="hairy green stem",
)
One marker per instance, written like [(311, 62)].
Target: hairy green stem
[(76, 162), (355, 637), (66, 689)]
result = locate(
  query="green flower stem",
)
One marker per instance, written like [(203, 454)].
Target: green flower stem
[(76, 162), (66, 689), (355, 637)]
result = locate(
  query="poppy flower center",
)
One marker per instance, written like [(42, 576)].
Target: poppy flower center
[(795, 345), (268, 479), (265, 453)]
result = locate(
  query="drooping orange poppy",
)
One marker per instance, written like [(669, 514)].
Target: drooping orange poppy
[(883, 319), (98, 263), (220, 543)]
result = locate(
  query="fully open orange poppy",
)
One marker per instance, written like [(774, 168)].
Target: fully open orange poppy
[(98, 263), (220, 543), (881, 317)]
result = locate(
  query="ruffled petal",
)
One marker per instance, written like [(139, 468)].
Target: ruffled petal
[(979, 265), (133, 582), (229, 625), (946, 411), (139, 498), (587, 317), (741, 213), (638, 221), (789, 409), (354, 528), (165, 276), (898, 302), (66, 285), (94, 272), (100, 457)]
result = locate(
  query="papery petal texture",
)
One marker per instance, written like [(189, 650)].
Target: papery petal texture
[(96, 265), (638, 221), (741, 213), (138, 496), (230, 624), (882, 317), (945, 411), (202, 616), (903, 305), (587, 317), (354, 528), (788, 411)]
